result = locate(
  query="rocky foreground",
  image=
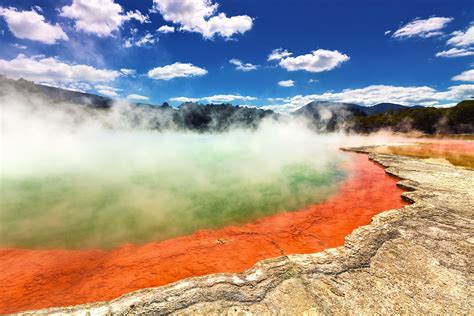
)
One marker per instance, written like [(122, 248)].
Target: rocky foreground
[(417, 259)]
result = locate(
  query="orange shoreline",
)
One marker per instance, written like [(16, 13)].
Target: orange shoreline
[(34, 279)]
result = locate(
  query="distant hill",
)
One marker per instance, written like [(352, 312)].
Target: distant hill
[(455, 120), (53, 94), (321, 115), (329, 116), (385, 107), (188, 116)]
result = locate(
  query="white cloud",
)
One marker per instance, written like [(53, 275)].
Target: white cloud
[(128, 72), (286, 83), (32, 26), (278, 54), (318, 61), (467, 75), (107, 90), (462, 38), (128, 43), (51, 69), (276, 99), (184, 99), (242, 66), (108, 93), (220, 98), (387, 32), (166, 29), (176, 70), (312, 80), (72, 86), (227, 26), (379, 93), (106, 87), (227, 98), (455, 52), (99, 17), (423, 28), (201, 16), (16, 45), (137, 97), (146, 40)]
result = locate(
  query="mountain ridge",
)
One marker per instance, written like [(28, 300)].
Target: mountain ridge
[(323, 116)]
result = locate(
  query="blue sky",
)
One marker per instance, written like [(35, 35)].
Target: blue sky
[(409, 52)]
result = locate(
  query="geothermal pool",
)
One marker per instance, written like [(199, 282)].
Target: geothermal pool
[(92, 209), (39, 278), (155, 186)]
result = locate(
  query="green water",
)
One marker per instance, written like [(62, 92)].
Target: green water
[(152, 188)]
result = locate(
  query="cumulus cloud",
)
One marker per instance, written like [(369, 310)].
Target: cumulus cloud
[(108, 93), (19, 46), (51, 69), (455, 52), (286, 83), (107, 90), (184, 99), (166, 29), (145, 41), (106, 87), (73, 86), (467, 75), (31, 25), (462, 38), (374, 94), (239, 65), (219, 98), (176, 70), (128, 43), (278, 54), (137, 97), (99, 17), (201, 16), (128, 72), (423, 27), (227, 98), (148, 39), (317, 61)]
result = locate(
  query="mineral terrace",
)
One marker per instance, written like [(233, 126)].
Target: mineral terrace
[(417, 259)]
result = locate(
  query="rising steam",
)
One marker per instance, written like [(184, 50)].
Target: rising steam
[(77, 177)]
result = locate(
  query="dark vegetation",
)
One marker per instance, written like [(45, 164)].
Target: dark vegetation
[(455, 120), (320, 115)]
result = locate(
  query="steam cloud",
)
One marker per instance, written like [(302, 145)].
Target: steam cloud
[(77, 177)]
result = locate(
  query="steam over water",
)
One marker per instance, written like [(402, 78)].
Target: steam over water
[(73, 179)]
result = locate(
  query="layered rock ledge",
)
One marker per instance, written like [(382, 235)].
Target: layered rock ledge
[(417, 259)]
